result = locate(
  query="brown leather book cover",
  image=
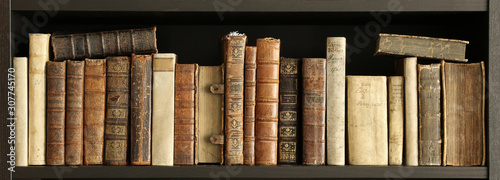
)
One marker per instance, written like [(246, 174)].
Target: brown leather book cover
[(267, 98), (74, 112), (140, 109), (314, 105), (249, 103), (117, 110), (56, 101), (103, 44), (185, 114), (289, 109), (94, 115), (233, 97)]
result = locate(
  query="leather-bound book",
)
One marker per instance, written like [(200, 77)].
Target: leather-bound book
[(267, 99), (233, 96), (313, 110), (249, 102), (94, 115), (140, 109), (21, 106), (186, 82), (103, 44), (289, 111), (463, 88), (395, 95), (56, 101), (74, 112), (408, 66), (117, 110)]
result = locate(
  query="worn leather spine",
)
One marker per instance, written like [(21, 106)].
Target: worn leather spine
[(140, 109), (21, 114), (267, 99), (249, 103), (94, 110), (74, 112), (105, 43), (395, 95), (117, 110), (56, 101)]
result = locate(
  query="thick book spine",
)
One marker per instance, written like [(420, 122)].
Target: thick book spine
[(429, 97), (267, 99), (117, 110), (335, 100), (185, 114), (162, 147), (38, 58), (140, 109), (289, 111), (367, 115), (56, 101), (249, 102), (21, 106), (233, 102), (105, 43), (313, 110), (411, 111), (395, 93), (74, 112), (94, 110)]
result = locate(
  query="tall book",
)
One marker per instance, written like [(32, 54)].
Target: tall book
[(429, 114), (117, 110), (162, 147), (103, 44), (56, 101), (367, 115), (289, 110), (313, 110), (186, 117), (140, 108), (463, 114), (395, 93), (21, 106), (234, 57), (411, 110), (267, 99), (249, 102), (38, 58), (94, 110), (335, 100), (74, 112)]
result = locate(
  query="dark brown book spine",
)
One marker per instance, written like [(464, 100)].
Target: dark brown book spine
[(249, 113), (313, 112), (267, 99), (185, 114), (94, 115), (105, 43), (117, 109), (140, 108), (429, 97), (56, 101), (289, 110), (74, 112)]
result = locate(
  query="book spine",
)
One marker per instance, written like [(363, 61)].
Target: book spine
[(267, 99), (21, 106), (105, 43), (313, 112), (411, 111), (234, 75), (117, 110), (289, 108), (94, 107), (38, 58), (396, 119), (162, 150), (140, 109), (56, 101), (335, 100), (74, 112), (249, 102)]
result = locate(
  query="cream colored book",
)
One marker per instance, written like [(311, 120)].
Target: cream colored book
[(162, 150), (335, 100), (367, 120), (395, 86), (21, 115), (38, 57), (411, 111)]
